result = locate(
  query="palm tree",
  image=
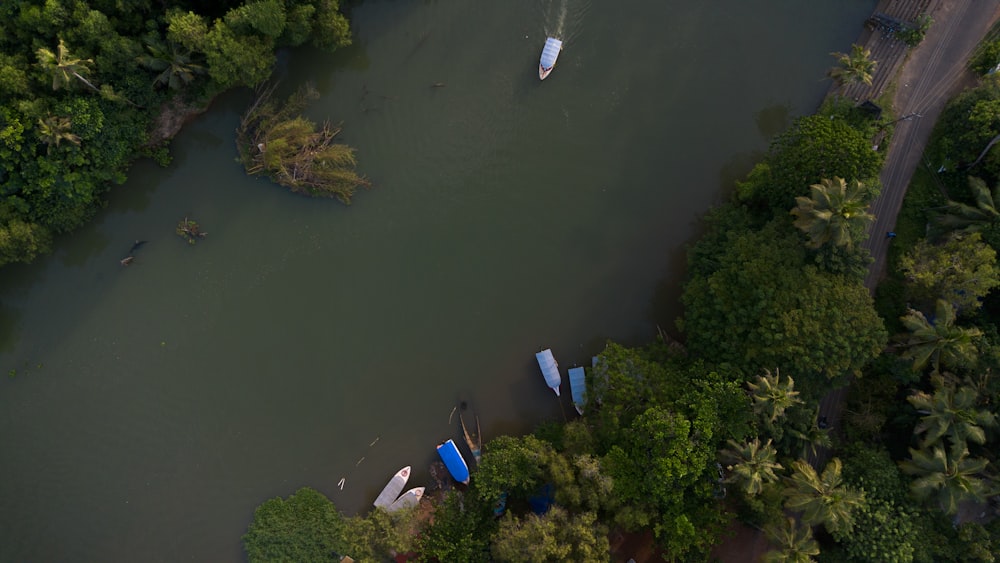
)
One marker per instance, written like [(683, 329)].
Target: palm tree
[(833, 212), (175, 67), (771, 396), (938, 342), (822, 499), (810, 439), (751, 464), (64, 68), (54, 129), (967, 218), (795, 543), (855, 68), (951, 413), (950, 479)]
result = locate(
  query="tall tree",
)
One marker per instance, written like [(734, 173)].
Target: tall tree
[(553, 536), (958, 216), (961, 270), (771, 396), (795, 543), (946, 478), (938, 342), (822, 499), (951, 413), (751, 464), (64, 67), (834, 213), (304, 527), (54, 129), (175, 65), (854, 68)]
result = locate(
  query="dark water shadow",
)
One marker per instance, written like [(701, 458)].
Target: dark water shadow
[(10, 332), (772, 120), (89, 241), (135, 195)]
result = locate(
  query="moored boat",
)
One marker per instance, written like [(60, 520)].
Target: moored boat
[(407, 499), (393, 488), (578, 388), (550, 52), (550, 369), (475, 443), (454, 461)]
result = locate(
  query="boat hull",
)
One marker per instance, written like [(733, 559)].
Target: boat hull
[(408, 499), (454, 461), (393, 488), (550, 54), (550, 369)]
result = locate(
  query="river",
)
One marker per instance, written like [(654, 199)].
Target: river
[(148, 409)]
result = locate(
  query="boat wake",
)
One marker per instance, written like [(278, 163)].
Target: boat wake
[(563, 19)]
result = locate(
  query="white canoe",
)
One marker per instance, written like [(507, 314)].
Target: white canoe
[(549, 55), (393, 488), (408, 499), (550, 369)]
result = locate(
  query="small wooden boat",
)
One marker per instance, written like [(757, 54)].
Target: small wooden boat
[(475, 444), (550, 369), (393, 488), (407, 499), (454, 461), (578, 388), (549, 55)]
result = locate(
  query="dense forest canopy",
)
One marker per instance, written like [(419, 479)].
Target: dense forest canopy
[(82, 83)]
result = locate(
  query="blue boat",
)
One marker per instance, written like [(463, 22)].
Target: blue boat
[(549, 55), (454, 461), (578, 388), (550, 369)]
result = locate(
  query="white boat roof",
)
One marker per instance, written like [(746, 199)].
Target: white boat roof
[(549, 367), (407, 499), (550, 52)]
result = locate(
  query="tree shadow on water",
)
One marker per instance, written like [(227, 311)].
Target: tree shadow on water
[(10, 333), (772, 120)]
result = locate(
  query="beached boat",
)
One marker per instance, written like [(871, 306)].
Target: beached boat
[(407, 499), (578, 388), (550, 52), (454, 461), (475, 443), (393, 488), (550, 369)]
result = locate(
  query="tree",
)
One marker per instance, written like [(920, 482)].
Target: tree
[(755, 304), (834, 213), (939, 342), (822, 499), (948, 479), (54, 129), (64, 68), (962, 217), (456, 533), (771, 396), (22, 242), (951, 413), (304, 527), (751, 465), (961, 271), (795, 543), (553, 536), (176, 68), (854, 68), (664, 473), (813, 148), (237, 60)]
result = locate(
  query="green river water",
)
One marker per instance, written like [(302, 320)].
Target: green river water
[(151, 408)]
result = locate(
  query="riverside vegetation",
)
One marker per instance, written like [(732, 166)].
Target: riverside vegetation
[(682, 440), (84, 85)]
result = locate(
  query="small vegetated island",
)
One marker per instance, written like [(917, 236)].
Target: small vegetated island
[(86, 87), (682, 441)]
